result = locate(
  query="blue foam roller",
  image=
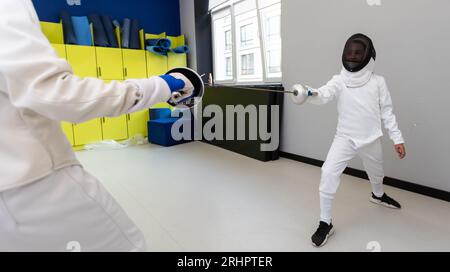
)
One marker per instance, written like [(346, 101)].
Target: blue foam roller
[(181, 49), (157, 50), (163, 43), (68, 31), (135, 40), (117, 24), (100, 38), (82, 30), (126, 33), (109, 29)]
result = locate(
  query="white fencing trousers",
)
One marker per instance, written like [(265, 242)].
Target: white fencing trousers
[(68, 210), (341, 152)]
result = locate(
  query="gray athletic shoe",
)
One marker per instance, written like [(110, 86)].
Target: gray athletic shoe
[(320, 237), (386, 201)]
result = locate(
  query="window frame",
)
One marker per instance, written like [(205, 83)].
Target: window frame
[(228, 46), (265, 47), (266, 80), (233, 41)]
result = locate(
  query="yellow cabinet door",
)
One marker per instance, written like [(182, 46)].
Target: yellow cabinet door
[(176, 60), (137, 123), (60, 50), (53, 32), (84, 64), (162, 105), (68, 131), (156, 65), (115, 128), (87, 132), (134, 63), (66, 127), (109, 62), (82, 59)]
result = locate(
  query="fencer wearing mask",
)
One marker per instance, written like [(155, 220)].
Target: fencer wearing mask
[(47, 199), (364, 102)]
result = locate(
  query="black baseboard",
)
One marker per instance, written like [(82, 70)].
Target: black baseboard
[(405, 185)]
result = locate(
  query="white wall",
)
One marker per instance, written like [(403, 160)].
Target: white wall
[(187, 18), (412, 39)]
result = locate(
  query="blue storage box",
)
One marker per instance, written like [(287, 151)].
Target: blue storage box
[(160, 126)]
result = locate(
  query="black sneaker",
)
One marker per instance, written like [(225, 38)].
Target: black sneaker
[(322, 233), (385, 200)]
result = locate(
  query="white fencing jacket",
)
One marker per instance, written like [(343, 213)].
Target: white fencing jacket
[(364, 102), (38, 90)]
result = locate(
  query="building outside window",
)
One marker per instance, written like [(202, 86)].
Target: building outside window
[(229, 64), (228, 41), (246, 41), (247, 64), (247, 35)]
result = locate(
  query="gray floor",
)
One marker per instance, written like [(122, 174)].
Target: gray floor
[(197, 197)]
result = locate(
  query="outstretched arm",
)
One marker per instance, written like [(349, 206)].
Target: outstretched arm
[(33, 77), (326, 93)]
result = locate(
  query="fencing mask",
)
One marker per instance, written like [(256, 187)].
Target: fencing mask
[(357, 53)]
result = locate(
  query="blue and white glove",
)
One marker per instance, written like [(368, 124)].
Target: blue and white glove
[(310, 91), (180, 87), (302, 93)]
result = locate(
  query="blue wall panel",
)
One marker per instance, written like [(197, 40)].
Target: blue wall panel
[(155, 16)]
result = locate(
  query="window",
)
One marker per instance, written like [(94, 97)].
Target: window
[(223, 46), (247, 41), (246, 35), (247, 64), (274, 61), (271, 16), (273, 28), (229, 63), (228, 41)]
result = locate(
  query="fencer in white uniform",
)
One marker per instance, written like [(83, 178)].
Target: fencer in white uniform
[(48, 202), (363, 102)]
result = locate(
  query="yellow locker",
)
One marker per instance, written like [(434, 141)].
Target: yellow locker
[(68, 131), (109, 62), (84, 63), (114, 128), (60, 50), (134, 63), (162, 106), (82, 59), (156, 65), (176, 60), (66, 127), (87, 132), (53, 32), (135, 66), (137, 123)]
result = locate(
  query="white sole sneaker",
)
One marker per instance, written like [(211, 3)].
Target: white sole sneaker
[(326, 238), (379, 202)]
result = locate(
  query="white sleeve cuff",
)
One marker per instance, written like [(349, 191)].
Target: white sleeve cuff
[(150, 91)]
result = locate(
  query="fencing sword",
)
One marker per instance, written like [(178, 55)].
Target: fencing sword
[(299, 93), (212, 84)]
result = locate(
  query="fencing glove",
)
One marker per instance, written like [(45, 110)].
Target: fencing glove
[(180, 86)]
